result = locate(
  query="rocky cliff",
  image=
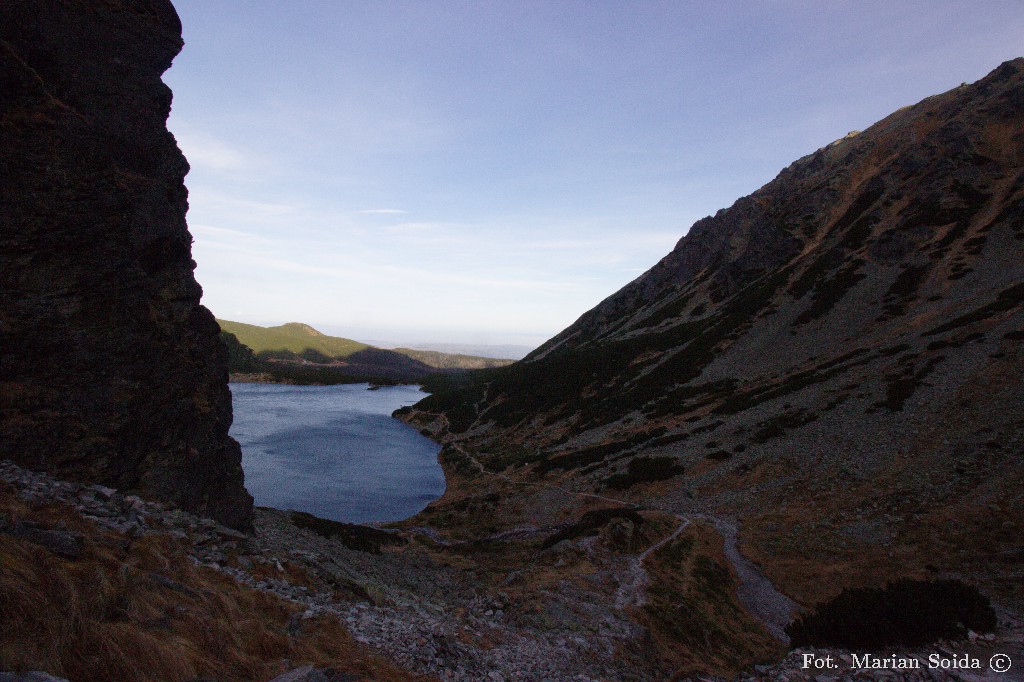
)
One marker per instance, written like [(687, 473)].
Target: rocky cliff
[(835, 362), (111, 370)]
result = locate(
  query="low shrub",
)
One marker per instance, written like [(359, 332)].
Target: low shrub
[(644, 470), (591, 523), (359, 538), (903, 613)]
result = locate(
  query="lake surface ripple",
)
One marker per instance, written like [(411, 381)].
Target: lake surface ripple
[(335, 451)]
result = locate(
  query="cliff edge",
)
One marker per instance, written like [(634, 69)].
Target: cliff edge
[(111, 370)]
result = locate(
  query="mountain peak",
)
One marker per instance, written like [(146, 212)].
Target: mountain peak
[(302, 328)]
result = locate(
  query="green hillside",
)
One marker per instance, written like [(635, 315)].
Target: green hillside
[(452, 361), (293, 336), (297, 339)]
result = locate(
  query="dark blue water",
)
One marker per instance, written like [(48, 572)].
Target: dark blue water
[(335, 451)]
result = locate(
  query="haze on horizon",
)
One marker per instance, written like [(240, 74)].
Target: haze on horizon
[(484, 172)]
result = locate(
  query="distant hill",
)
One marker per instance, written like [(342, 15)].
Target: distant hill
[(296, 352), (452, 360), (506, 351), (293, 336)]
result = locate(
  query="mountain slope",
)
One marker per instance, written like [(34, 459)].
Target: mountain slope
[(834, 361)]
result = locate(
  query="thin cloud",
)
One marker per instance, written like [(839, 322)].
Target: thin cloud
[(634, 241), (206, 151), (382, 211), (213, 231), (240, 208), (355, 270), (425, 229)]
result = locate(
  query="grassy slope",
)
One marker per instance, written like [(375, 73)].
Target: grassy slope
[(293, 336), (297, 337), (140, 610)]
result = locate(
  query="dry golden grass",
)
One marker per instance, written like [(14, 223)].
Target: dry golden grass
[(695, 618), (140, 610)]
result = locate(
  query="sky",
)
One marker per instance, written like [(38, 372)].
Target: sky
[(486, 172)]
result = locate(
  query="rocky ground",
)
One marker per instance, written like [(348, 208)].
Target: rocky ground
[(441, 610)]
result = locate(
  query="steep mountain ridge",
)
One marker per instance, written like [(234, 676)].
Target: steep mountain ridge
[(836, 203), (834, 361), (112, 371)]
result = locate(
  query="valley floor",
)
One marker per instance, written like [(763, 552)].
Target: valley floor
[(534, 603)]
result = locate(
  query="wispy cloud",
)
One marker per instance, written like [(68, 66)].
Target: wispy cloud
[(206, 151), (382, 211), (425, 228), (239, 207), (605, 242), (213, 231)]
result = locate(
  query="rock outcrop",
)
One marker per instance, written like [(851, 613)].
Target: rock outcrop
[(835, 361), (111, 370)]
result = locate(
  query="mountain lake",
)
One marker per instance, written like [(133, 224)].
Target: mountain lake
[(335, 451)]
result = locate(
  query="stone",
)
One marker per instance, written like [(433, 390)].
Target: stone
[(102, 491), (113, 372), (306, 673), (63, 543)]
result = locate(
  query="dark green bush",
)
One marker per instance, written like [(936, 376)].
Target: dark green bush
[(595, 453), (780, 424), (359, 538), (591, 523), (644, 470), (904, 613)]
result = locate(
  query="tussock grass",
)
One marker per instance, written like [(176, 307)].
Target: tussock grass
[(140, 610), (693, 613)]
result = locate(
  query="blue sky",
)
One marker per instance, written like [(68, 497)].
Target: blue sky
[(485, 172)]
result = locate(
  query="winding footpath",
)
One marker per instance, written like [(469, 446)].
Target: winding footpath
[(632, 592), (757, 593)]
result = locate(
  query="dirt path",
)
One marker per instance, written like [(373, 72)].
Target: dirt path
[(632, 592), (755, 590), (510, 534), (757, 593)]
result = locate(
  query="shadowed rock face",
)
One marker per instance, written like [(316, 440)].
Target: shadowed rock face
[(111, 370)]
